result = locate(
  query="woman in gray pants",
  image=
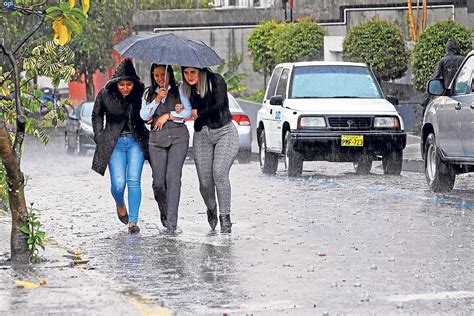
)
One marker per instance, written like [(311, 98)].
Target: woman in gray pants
[(168, 142), (215, 141)]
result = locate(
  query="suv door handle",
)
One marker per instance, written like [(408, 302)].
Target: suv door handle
[(458, 106), (472, 106), (271, 111)]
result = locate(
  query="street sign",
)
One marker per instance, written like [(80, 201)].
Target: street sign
[(8, 4)]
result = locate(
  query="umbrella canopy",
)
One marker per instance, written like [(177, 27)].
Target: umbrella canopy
[(168, 49)]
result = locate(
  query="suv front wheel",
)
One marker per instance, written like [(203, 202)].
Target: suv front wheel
[(293, 159), (268, 160), (392, 162), (439, 175)]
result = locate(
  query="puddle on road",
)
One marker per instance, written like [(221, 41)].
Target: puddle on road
[(173, 271)]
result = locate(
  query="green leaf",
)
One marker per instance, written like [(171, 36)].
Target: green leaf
[(25, 229)]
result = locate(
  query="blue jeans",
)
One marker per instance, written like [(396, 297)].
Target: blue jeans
[(125, 167)]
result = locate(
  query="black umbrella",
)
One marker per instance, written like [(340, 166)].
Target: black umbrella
[(168, 49)]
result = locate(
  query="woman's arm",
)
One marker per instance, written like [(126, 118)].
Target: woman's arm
[(147, 110), (186, 112), (219, 90), (98, 116)]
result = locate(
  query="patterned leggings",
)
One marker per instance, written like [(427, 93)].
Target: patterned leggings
[(214, 152)]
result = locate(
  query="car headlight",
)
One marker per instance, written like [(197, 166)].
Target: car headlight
[(87, 128), (386, 122), (312, 121)]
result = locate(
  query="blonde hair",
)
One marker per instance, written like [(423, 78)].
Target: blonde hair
[(202, 86)]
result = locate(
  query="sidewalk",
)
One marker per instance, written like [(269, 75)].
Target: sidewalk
[(412, 160)]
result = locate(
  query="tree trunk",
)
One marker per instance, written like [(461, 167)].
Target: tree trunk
[(90, 90), (411, 18), (16, 196), (425, 15)]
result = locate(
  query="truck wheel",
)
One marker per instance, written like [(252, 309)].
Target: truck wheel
[(439, 175), (392, 162), (363, 166), (293, 159), (268, 160)]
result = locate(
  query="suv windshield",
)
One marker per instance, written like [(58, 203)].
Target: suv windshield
[(334, 81)]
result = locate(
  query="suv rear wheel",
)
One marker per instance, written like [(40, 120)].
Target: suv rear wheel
[(392, 162), (293, 159), (439, 175), (268, 160)]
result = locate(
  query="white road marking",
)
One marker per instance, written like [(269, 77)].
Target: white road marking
[(431, 296)]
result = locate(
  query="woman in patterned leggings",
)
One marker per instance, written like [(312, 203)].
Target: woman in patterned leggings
[(215, 141)]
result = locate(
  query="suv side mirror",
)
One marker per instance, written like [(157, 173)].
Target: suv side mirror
[(392, 99), (277, 100), (435, 87)]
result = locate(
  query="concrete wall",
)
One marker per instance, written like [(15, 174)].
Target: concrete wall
[(227, 30)]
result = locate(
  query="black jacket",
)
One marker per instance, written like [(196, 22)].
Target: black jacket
[(213, 108), (449, 64), (118, 111)]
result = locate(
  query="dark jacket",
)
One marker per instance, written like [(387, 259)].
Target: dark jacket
[(449, 64), (213, 108), (171, 133), (118, 112)]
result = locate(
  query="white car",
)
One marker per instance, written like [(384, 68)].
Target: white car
[(333, 111), (241, 122)]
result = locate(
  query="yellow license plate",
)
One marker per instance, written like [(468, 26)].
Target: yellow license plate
[(352, 140)]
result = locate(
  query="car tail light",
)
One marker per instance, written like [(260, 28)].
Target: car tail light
[(188, 119), (241, 119)]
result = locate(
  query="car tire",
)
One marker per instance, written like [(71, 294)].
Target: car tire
[(363, 166), (70, 150), (244, 156), (268, 160), (440, 176), (80, 149), (293, 159), (392, 162)]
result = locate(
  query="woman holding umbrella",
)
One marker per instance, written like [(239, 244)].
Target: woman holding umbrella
[(169, 140), (122, 143), (215, 141)]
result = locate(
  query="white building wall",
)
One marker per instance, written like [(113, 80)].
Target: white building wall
[(243, 3)]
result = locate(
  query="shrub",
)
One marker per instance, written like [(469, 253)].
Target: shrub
[(380, 45), (300, 41), (430, 45)]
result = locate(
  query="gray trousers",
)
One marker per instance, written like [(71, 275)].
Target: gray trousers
[(214, 153), (167, 168)]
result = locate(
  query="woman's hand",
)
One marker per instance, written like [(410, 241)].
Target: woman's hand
[(161, 95), (194, 114), (161, 121), (178, 107)]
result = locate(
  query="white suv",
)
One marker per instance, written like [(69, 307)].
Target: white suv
[(333, 111)]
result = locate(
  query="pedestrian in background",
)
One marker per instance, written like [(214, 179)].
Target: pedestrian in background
[(446, 67), (169, 140), (215, 141), (122, 143), (449, 64)]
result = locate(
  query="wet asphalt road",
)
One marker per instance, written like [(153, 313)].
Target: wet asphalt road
[(328, 242)]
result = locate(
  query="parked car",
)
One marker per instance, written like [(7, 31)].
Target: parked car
[(447, 145), (241, 122), (333, 111), (78, 135)]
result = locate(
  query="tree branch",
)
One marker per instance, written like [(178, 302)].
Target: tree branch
[(42, 16)]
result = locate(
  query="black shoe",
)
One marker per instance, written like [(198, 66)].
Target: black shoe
[(123, 218), (163, 219), (133, 229), (170, 231), (212, 218), (226, 224)]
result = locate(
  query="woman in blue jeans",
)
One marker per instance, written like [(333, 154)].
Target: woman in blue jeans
[(122, 142)]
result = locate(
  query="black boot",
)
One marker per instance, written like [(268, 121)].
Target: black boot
[(226, 224), (212, 218), (163, 219)]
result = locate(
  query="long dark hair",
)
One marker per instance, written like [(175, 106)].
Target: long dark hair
[(152, 88)]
